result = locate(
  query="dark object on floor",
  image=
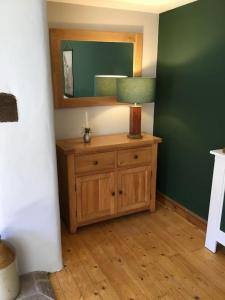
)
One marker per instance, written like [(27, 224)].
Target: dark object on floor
[(36, 286), (8, 108)]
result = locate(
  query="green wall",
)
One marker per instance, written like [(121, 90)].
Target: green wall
[(190, 101)]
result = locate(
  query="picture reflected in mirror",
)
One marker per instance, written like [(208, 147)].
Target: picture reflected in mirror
[(68, 72)]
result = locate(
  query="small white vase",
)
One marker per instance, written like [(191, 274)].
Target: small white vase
[(9, 280)]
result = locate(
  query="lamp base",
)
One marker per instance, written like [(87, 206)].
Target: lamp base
[(135, 136), (135, 122)]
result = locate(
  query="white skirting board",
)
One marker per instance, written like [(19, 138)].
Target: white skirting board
[(214, 235)]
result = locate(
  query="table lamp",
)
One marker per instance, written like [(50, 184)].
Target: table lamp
[(136, 90), (105, 85)]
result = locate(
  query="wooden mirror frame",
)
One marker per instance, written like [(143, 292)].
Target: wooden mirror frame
[(58, 35)]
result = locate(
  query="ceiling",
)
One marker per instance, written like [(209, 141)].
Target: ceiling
[(150, 6)]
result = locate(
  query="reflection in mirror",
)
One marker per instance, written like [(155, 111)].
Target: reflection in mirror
[(105, 85), (82, 61), (68, 72)]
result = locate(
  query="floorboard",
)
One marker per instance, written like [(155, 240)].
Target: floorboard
[(138, 257)]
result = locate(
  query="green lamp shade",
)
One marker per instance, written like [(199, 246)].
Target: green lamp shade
[(105, 85), (136, 89)]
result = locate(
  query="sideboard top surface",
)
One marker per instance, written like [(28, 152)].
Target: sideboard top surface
[(105, 142)]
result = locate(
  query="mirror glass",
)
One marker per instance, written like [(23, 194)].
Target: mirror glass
[(83, 60)]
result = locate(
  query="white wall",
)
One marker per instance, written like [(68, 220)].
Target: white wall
[(29, 215), (108, 119)]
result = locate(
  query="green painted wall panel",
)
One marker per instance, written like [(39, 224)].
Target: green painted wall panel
[(190, 100), (222, 225)]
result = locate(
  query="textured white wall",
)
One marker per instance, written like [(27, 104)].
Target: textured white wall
[(29, 214), (107, 119)]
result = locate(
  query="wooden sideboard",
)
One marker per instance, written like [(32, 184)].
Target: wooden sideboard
[(110, 177)]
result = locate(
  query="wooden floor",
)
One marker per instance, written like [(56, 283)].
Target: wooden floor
[(143, 256)]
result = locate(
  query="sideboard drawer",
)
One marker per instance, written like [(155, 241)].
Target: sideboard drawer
[(95, 162), (134, 156)]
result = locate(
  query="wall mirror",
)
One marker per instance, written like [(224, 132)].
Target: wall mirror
[(79, 56)]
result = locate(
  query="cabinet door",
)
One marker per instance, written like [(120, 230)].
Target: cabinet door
[(134, 189), (96, 197)]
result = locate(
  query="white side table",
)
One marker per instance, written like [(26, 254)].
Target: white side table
[(214, 235)]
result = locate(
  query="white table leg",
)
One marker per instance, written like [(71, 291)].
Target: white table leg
[(216, 202)]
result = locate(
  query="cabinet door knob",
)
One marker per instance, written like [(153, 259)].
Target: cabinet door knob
[(113, 193), (135, 156), (95, 162), (120, 192)]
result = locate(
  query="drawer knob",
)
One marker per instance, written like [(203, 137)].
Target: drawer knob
[(113, 193), (95, 162), (120, 192), (135, 156)]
